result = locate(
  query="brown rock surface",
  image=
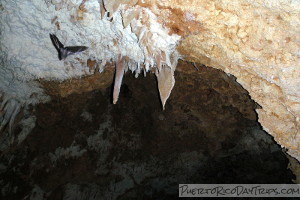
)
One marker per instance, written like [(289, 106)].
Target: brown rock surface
[(79, 85)]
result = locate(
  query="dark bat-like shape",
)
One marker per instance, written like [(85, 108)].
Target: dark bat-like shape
[(64, 52)]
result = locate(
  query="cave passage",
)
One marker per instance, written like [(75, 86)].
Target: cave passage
[(83, 146)]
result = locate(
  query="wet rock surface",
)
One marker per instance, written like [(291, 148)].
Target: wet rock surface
[(83, 147)]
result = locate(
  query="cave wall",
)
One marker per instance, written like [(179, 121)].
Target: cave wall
[(83, 147), (256, 41)]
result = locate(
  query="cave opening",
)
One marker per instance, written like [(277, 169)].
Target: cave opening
[(83, 145)]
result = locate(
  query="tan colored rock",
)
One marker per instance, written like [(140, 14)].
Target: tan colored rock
[(256, 41), (79, 85)]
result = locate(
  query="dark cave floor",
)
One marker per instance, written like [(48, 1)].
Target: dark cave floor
[(83, 147)]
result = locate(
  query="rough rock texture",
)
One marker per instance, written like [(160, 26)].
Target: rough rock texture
[(83, 147), (79, 86), (295, 167), (27, 53), (256, 41)]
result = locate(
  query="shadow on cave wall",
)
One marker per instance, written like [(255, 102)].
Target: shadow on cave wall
[(83, 147)]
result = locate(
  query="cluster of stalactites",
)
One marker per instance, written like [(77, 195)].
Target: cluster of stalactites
[(164, 74), (158, 59), (155, 44)]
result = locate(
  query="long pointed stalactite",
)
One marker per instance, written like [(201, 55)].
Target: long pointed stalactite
[(120, 68)]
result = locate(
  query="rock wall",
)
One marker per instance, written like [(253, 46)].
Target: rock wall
[(83, 147), (256, 41)]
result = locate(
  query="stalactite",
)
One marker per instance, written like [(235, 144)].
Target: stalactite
[(120, 67), (166, 82)]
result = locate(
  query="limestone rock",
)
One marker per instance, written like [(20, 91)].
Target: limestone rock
[(256, 41)]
